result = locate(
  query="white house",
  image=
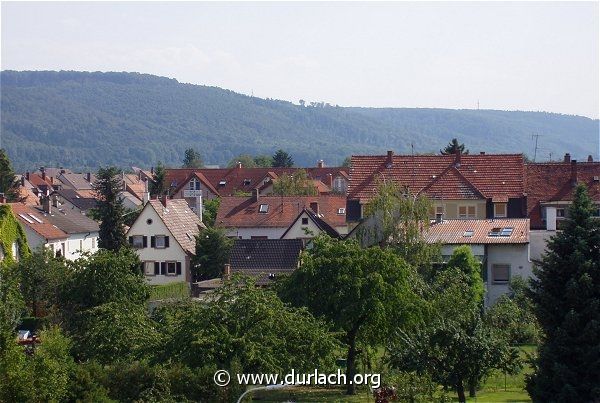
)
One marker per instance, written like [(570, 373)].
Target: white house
[(164, 236), (308, 225), (502, 246)]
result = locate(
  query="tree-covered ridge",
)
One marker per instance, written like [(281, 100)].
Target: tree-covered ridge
[(84, 120)]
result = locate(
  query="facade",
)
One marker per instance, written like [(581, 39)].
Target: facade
[(39, 231), (164, 236), (308, 225), (501, 245)]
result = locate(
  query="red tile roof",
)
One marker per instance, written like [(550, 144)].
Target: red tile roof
[(181, 221), (545, 182), (30, 217), (440, 176), (238, 212), (37, 181), (244, 179), (458, 231)]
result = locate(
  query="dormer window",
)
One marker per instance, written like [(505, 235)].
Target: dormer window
[(341, 211), (499, 210), (194, 184), (247, 182), (263, 208)]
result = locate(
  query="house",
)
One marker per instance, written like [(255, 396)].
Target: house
[(77, 181), (501, 245), (473, 186), (72, 199), (164, 236), (270, 217), (41, 184), (308, 225), (13, 241), (264, 259)]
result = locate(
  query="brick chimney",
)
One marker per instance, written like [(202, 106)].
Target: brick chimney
[(163, 200), (457, 158), (321, 164), (314, 206), (567, 158), (88, 176), (255, 195), (389, 162), (590, 159), (574, 172)]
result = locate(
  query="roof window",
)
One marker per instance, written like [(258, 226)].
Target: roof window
[(468, 233), (23, 216), (222, 183), (506, 231), (264, 208)]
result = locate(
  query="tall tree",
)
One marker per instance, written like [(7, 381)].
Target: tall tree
[(453, 147), (263, 161), (566, 296), (282, 159), (8, 183), (363, 292), (463, 259), (246, 160), (192, 159), (110, 209), (296, 184), (211, 207), (158, 186), (347, 162), (212, 252)]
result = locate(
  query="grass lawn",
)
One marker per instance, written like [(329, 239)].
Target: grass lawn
[(304, 394), (169, 291)]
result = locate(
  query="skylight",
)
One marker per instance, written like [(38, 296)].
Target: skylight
[(222, 183), (264, 208), (341, 210), (247, 181), (23, 216), (36, 219), (468, 233), (506, 231)]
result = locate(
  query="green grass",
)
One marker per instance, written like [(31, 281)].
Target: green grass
[(169, 291), (306, 394)]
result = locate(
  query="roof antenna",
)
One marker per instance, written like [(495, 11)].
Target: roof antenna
[(535, 136), (412, 151)]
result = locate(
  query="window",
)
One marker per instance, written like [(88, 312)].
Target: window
[(222, 183), (465, 212), (304, 220), (499, 210), (468, 233), (506, 231), (341, 211), (171, 268), (194, 184), (137, 241), (160, 242), (149, 221), (339, 184), (264, 208), (149, 268), (247, 182), (560, 212), (500, 273)]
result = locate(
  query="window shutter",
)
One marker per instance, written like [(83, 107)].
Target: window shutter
[(131, 240), (178, 268), (156, 268), (142, 268), (163, 268), (145, 242), (153, 242), (166, 242)]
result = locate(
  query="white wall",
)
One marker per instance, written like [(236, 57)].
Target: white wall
[(476, 249), (81, 242), (248, 233), (517, 256), (297, 231), (173, 253), (538, 239)]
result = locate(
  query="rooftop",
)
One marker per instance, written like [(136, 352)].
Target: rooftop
[(496, 231), (181, 221)]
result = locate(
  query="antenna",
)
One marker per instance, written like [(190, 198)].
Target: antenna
[(477, 104), (412, 151), (535, 136)]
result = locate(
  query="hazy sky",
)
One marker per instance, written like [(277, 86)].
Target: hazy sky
[(526, 56)]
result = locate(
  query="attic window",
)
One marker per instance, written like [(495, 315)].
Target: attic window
[(36, 219), (264, 208), (23, 216), (247, 182), (468, 233), (222, 183), (341, 210)]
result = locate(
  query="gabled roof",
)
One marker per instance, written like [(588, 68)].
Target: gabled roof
[(33, 219), (181, 222), (73, 197), (37, 180), (134, 185), (77, 181), (200, 176), (261, 257), (487, 174), (238, 212), (70, 221), (478, 231), (318, 221), (554, 181)]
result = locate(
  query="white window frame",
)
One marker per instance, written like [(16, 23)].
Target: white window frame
[(167, 271), (494, 280), (149, 268), (194, 184), (496, 214), (164, 243), (341, 211)]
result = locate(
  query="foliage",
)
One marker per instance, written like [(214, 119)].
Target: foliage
[(9, 185), (192, 159), (211, 207), (296, 184), (169, 291), (131, 215), (212, 252), (454, 147), (347, 162), (246, 160), (566, 296), (158, 187), (110, 209), (263, 161), (463, 259), (282, 159), (11, 231), (364, 292), (11, 302)]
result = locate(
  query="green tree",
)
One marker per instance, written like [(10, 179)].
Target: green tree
[(110, 209), (212, 252), (9, 185), (347, 161), (51, 365), (566, 296), (246, 160), (363, 292), (263, 161), (282, 159), (158, 186), (209, 215), (453, 147), (463, 259), (296, 184), (192, 159)]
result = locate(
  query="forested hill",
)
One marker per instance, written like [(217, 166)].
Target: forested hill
[(81, 120)]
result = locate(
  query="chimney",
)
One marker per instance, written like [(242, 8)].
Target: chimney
[(46, 205), (457, 158), (152, 170), (146, 195), (481, 152), (88, 176), (199, 207), (43, 175), (255, 195), (27, 175), (321, 164), (238, 165), (314, 206), (574, 172), (22, 180), (390, 160), (164, 200), (567, 158), (54, 201), (330, 181), (227, 271), (590, 159)]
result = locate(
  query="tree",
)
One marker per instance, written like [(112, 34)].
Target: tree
[(363, 292), (212, 252), (157, 185), (453, 147), (282, 159), (347, 161), (463, 259), (192, 159), (263, 161), (8, 182), (209, 215), (566, 296), (246, 160), (110, 209), (296, 184)]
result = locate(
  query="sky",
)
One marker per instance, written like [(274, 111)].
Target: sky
[(536, 56)]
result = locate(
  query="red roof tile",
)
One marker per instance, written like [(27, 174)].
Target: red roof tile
[(181, 221), (34, 219), (477, 231)]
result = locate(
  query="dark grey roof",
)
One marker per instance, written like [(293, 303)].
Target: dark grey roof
[(82, 203), (77, 181), (319, 222), (261, 257), (69, 220)]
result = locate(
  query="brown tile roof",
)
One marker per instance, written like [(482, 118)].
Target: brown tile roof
[(134, 185), (489, 175), (181, 221), (77, 181), (553, 181), (37, 181), (240, 212), (33, 218), (245, 179), (455, 231)]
